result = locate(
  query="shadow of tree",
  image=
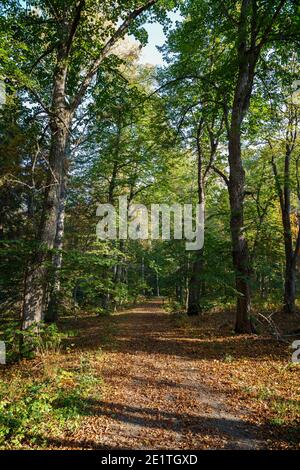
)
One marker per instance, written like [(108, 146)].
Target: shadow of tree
[(147, 329), (238, 431), (155, 333)]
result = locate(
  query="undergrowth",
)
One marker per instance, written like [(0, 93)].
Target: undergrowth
[(34, 410)]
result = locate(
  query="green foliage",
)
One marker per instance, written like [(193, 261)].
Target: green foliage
[(30, 410), (40, 339), (173, 306), (126, 139), (228, 358)]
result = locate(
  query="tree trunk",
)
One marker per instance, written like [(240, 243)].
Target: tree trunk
[(290, 287), (194, 291), (290, 261), (52, 309), (36, 279), (194, 305), (284, 195), (60, 118), (240, 252), (248, 52), (247, 59), (157, 286)]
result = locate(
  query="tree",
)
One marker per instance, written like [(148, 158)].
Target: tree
[(281, 134), (242, 28), (68, 27), (284, 186)]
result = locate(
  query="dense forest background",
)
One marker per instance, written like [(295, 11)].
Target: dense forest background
[(84, 122)]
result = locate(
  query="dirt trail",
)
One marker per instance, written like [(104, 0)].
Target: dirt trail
[(155, 396)]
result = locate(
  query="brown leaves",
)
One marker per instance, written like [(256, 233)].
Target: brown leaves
[(196, 387)]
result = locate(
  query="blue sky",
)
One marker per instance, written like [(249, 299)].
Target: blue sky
[(156, 37)]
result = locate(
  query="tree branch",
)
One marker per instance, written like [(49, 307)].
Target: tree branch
[(270, 25), (74, 25), (220, 173), (39, 100), (277, 183), (43, 55), (106, 49)]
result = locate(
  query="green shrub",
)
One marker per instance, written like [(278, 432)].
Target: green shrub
[(49, 406), (25, 343), (173, 306)]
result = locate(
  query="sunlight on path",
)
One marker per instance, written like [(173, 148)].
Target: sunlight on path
[(155, 397)]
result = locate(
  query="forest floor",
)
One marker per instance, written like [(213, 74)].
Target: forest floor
[(176, 383)]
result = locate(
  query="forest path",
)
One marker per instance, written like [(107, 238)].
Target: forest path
[(155, 396)]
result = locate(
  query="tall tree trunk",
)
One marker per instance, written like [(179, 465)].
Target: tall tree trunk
[(60, 116), (52, 308), (194, 291), (36, 279), (240, 252), (289, 306), (290, 257), (291, 253), (157, 286), (247, 59), (143, 275), (250, 41), (194, 297), (290, 286)]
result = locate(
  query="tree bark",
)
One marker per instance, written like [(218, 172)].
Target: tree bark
[(36, 279), (194, 297), (240, 252), (60, 116), (194, 291), (284, 195), (289, 306), (290, 286), (51, 314), (248, 51), (247, 59)]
